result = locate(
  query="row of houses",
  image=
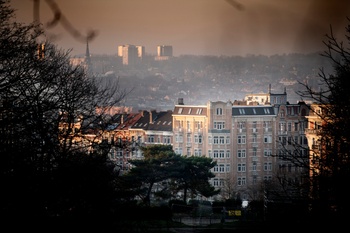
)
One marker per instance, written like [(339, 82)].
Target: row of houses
[(252, 140)]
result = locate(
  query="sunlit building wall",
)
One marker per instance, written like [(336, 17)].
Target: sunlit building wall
[(165, 50), (131, 54), (189, 129), (253, 143)]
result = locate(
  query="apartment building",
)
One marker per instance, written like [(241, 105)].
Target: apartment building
[(129, 131), (190, 129), (251, 142), (312, 131), (131, 54), (164, 52)]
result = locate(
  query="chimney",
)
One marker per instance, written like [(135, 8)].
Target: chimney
[(150, 117), (180, 101)]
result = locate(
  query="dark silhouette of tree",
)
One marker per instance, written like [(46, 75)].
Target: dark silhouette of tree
[(47, 107), (153, 169), (330, 198), (193, 174), (171, 173)]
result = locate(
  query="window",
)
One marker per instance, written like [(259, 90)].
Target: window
[(228, 140), (178, 124), (241, 125), (296, 126), (241, 181), (282, 127), (197, 152), (219, 111), (254, 123), (216, 154), (179, 138), (254, 166), (241, 139), (166, 139), (254, 151), (222, 154), (241, 167), (151, 138), (198, 139), (189, 138), (241, 154), (198, 124), (267, 138), (188, 123), (228, 154), (219, 125), (216, 168), (221, 168), (221, 140), (241, 111), (268, 166), (255, 138), (267, 152)]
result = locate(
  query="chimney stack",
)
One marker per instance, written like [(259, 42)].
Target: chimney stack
[(180, 101), (150, 117)]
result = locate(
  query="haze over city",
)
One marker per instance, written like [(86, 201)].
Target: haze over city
[(198, 27)]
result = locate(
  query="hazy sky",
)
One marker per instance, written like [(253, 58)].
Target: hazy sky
[(200, 27)]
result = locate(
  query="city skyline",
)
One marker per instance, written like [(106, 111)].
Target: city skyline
[(198, 27)]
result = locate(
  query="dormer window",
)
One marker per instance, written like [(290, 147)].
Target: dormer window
[(241, 111), (266, 111)]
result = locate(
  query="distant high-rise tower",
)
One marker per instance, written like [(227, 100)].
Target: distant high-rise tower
[(164, 52), (131, 54)]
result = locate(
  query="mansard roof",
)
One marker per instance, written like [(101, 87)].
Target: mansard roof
[(153, 120), (190, 110), (253, 110), (123, 121)]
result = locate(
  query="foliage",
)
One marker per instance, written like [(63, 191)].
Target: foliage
[(171, 173), (333, 159), (46, 107)]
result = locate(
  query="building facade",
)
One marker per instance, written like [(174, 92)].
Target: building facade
[(251, 143), (131, 54)]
